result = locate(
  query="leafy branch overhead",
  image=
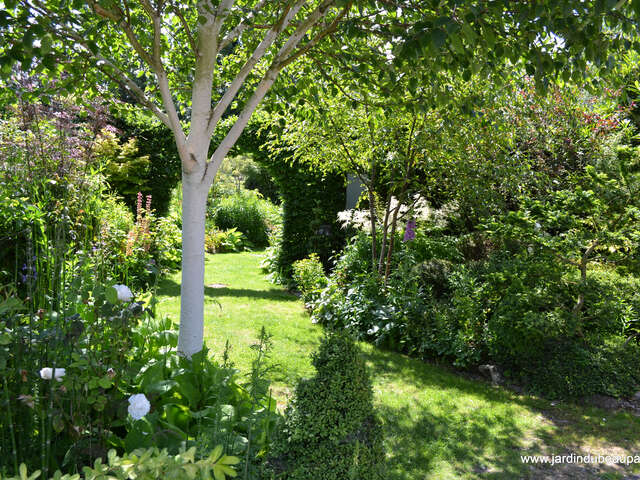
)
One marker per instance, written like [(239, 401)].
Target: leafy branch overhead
[(157, 49)]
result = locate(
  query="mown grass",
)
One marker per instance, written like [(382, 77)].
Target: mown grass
[(438, 424)]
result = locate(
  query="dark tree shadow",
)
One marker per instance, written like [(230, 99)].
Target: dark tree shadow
[(484, 443), (168, 287)]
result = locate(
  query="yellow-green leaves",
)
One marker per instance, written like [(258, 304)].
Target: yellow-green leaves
[(149, 464)]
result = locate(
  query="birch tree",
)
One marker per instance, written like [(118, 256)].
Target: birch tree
[(191, 62), (180, 60)]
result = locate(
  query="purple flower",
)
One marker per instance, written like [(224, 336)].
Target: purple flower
[(410, 231)]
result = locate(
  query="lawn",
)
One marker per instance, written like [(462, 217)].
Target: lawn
[(437, 424)]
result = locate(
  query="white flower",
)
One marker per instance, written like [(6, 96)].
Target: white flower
[(359, 219), (530, 250), (373, 330), (139, 406), (537, 226), (124, 293), (47, 373), (421, 210)]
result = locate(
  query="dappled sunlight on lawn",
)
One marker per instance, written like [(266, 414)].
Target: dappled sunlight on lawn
[(437, 424), (445, 426)]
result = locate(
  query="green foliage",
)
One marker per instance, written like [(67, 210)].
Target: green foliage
[(56, 200), (110, 349), (126, 170), (354, 260), (168, 243), (534, 253), (135, 252), (231, 176), (309, 276), (258, 178), (198, 400), (516, 309), (310, 206), (246, 212), (175, 205), (224, 241), (51, 188), (523, 143), (149, 463), (116, 215), (71, 245), (330, 430), (580, 368), (156, 143), (92, 336), (269, 263), (240, 173), (310, 202)]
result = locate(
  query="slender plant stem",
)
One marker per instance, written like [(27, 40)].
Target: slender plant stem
[(11, 431)]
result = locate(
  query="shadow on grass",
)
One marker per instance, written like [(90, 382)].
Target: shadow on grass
[(168, 287), (467, 442), (385, 363), (485, 439), (439, 432)]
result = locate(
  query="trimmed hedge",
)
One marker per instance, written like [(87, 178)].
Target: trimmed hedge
[(330, 431), (164, 170), (311, 202)]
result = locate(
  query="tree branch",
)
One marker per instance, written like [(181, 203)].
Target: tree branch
[(167, 101), (222, 13), (207, 48), (157, 41), (260, 91), (285, 18), (134, 88), (117, 75), (185, 26), (120, 20), (241, 27), (314, 41), (161, 74), (295, 38), (232, 136)]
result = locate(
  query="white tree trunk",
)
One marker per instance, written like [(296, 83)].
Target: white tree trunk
[(194, 206), (197, 173)]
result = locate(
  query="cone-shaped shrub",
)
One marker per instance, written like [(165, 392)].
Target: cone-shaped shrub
[(329, 431)]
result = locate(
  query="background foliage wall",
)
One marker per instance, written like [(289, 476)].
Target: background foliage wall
[(310, 207), (163, 171), (310, 200), (530, 264)]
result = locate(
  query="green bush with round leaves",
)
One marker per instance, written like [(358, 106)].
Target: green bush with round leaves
[(309, 277)]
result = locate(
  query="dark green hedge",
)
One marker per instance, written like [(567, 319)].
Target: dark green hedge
[(311, 202), (310, 207), (156, 141)]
